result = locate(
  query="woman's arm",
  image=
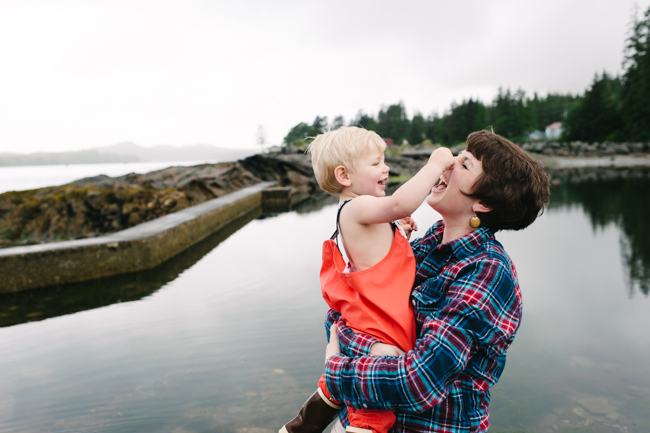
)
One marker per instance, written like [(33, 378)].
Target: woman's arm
[(351, 343), (481, 312)]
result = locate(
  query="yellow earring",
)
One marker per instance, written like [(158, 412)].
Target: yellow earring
[(474, 222)]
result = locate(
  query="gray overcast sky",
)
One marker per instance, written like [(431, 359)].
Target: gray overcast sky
[(83, 74)]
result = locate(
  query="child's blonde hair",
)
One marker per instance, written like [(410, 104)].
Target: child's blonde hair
[(343, 146)]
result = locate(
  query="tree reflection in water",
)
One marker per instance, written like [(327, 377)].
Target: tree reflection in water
[(613, 195)]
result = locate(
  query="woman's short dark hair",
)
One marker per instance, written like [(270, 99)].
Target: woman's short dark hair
[(513, 185)]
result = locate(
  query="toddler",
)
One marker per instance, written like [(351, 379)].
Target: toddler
[(372, 291)]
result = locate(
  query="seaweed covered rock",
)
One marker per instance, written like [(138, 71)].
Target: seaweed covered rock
[(99, 205)]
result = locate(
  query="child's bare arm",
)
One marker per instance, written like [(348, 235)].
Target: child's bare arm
[(382, 349), (404, 201)]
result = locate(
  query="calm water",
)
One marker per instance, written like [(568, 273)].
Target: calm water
[(228, 336), (39, 176)]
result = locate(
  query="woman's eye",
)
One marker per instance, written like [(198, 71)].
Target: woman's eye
[(464, 166)]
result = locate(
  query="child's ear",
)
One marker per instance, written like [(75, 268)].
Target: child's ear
[(479, 207), (341, 175)]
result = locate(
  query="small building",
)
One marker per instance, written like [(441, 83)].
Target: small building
[(554, 130), (536, 135), (389, 141), (274, 149)]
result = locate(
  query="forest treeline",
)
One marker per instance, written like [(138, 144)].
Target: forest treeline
[(613, 108)]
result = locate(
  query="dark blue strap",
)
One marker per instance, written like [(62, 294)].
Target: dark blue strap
[(338, 214), (338, 227)]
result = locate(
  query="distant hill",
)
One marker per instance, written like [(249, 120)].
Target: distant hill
[(127, 152), (170, 153)]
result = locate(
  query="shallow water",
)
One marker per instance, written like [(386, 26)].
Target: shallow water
[(228, 336)]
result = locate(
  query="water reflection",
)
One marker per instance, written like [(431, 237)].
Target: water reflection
[(47, 302), (40, 304), (613, 196)]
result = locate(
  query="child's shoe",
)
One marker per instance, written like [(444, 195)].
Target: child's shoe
[(316, 414)]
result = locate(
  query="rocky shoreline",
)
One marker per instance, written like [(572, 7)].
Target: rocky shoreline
[(583, 149), (101, 205)]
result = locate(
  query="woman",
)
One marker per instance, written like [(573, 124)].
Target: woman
[(466, 300)]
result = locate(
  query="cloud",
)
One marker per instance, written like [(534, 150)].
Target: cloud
[(86, 74)]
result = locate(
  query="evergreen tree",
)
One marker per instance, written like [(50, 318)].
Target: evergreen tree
[(510, 115), (418, 131), (337, 122), (436, 130), (298, 132), (301, 131), (319, 125), (464, 119), (596, 117), (364, 121), (635, 98), (393, 123), (553, 108)]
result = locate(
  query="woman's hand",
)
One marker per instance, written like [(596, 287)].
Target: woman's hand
[(333, 347), (381, 349), (408, 225)]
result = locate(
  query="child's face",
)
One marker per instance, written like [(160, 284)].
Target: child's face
[(371, 173)]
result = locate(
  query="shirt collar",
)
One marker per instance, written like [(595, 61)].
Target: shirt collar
[(464, 246)]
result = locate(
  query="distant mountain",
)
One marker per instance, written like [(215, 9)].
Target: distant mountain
[(171, 153), (60, 158), (128, 152)]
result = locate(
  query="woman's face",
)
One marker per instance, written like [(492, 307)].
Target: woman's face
[(447, 198)]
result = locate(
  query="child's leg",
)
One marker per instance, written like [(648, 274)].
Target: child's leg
[(316, 414), (368, 420)]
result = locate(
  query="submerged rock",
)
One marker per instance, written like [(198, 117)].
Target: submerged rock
[(597, 405)]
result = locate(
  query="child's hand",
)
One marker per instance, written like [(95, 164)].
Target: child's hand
[(408, 225), (442, 158), (381, 349), (333, 347)]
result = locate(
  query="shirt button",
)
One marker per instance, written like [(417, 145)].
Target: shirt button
[(365, 406), (413, 302)]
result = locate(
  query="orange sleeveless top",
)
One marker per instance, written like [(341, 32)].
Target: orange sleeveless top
[(374, 301)]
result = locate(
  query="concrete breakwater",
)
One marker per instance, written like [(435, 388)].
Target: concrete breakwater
[(137, 248)]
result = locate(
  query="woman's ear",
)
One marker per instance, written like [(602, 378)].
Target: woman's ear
[(479, 207), (341, 175)]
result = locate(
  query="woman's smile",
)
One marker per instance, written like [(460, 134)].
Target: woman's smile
[(440, 186), (448, 197)]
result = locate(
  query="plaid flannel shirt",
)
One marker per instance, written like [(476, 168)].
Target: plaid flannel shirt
[(467, 306)]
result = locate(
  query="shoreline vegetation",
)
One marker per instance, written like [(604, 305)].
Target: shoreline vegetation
[(101, 205)]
